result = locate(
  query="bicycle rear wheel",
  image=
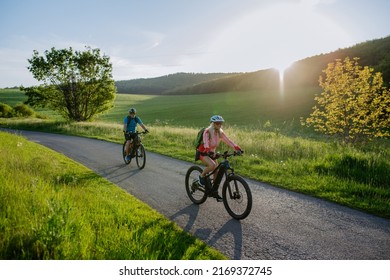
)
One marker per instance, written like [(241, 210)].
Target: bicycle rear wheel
[(237, 197), (140, 156), (124, 153), (195, 191)]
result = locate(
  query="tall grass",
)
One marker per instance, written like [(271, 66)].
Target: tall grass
[(59, 209)]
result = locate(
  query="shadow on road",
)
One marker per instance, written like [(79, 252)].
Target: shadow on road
[(235, 229), (118, 173), (232, 227), (191, 211)]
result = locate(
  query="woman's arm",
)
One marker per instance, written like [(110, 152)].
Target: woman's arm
[(206, 139), (228, 141)]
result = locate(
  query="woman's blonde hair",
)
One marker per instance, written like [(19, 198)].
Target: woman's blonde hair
[(211, 130)]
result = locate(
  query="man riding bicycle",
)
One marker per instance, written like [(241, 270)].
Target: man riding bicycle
[(130, 129)]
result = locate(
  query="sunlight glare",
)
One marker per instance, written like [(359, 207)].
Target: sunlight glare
[(273, 37), (281, 68)]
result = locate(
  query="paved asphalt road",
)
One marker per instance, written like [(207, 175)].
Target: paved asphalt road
[(283, 225)]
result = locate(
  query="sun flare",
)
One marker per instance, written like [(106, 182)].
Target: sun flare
[(281, 68), (274, 37)]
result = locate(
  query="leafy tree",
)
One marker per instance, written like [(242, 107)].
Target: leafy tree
[(355, 104), (76, 84)]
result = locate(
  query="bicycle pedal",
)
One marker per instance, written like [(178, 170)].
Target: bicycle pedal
[(196, 184)]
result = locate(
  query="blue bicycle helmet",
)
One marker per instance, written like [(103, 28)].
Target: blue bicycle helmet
[(216, 118)]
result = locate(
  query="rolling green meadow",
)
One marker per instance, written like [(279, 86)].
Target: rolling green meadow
[(278, 150)]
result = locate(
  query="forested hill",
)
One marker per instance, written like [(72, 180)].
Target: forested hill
[(305, 72), (375, 53), (162, 84)]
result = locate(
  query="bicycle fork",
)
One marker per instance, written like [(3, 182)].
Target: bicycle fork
[(232, 190)]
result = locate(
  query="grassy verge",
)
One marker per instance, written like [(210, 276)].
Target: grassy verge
[(62, 210), (353, 176)]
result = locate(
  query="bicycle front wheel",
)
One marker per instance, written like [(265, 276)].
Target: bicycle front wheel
[(195, 191), (140, 156), (237, 197)]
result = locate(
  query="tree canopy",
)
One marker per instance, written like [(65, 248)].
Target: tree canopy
[(77, 84), (355, 104)]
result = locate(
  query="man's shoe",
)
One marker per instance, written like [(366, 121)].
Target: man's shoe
[(128, 158)]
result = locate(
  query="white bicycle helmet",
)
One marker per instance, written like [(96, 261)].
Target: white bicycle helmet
[(216, 118)]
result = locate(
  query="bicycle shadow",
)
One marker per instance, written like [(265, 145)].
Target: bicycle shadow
[(119, 173), (232, 227), (191, 211)]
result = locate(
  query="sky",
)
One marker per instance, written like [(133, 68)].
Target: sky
[(152, 38)]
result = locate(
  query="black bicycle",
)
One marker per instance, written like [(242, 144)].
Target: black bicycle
[(137, 150), (236, 194)]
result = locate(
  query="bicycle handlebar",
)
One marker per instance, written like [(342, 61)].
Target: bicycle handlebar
[(227, 154), (143, 132)]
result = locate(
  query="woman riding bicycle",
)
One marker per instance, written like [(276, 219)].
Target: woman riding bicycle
[(130, 128), (212, 136)]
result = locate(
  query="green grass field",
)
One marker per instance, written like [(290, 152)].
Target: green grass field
[(247, 109), (278, 151)]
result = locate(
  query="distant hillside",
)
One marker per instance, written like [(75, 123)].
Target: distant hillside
[(375, 53), (263, 79), (162, 84), (305, 72)]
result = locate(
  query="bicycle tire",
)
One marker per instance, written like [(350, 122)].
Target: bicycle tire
[(195, 192), (124, 154), (140, 156), (237, 197)]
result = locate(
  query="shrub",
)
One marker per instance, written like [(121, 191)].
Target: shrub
[(6, 111), (22, 110)]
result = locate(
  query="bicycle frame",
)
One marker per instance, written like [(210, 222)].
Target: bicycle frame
[(222, 169), (136, 141), (134, 144), (236, 194)]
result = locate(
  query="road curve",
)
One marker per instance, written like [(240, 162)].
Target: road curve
[(283, 225)]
